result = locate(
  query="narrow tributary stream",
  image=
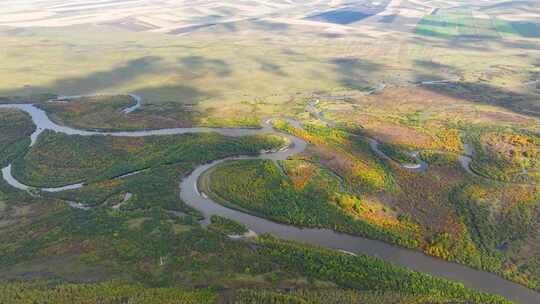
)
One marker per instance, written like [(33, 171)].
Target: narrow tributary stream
[(189, 193)]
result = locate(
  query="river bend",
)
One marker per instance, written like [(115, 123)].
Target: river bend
[(480, 280)]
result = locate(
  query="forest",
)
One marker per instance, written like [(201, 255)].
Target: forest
[(304, 195), (226, 226), (15, 130), (507, 157), (59, 159)]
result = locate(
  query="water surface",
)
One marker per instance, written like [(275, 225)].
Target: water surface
[(189, 193)]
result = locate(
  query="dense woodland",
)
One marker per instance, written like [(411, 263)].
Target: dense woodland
[(59, 159), (311, 197), (15, 129), (105, 293), (227, 226)]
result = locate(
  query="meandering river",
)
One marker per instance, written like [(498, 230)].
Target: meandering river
[(189, 193)]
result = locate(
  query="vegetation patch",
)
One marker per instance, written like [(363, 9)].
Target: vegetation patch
[(397, 134), (365, 273), (227, 226), (397, 153), (33, 98), (348, 155), (15, 130), (106, 112), (332, 296), (440, 159), (510, 157), (105, 293), (154, 187), (500, 220), (59, 159), (304, 195)]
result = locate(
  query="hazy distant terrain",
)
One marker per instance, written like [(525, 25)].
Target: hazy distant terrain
[(216, 57), (168, 16), (182, 16)]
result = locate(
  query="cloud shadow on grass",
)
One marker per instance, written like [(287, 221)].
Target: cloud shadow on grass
[(201, 65), (183, 94), (354, 73), (270, 67), (482, 93), (106, 81), (435, 66), (96, 81)]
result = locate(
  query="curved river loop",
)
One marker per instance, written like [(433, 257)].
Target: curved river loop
[(189, 193)]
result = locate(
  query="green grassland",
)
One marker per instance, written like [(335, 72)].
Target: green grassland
[(27, 98), (437, 158), (105, 112), (456, 24), (100, 112), (156, 186)]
